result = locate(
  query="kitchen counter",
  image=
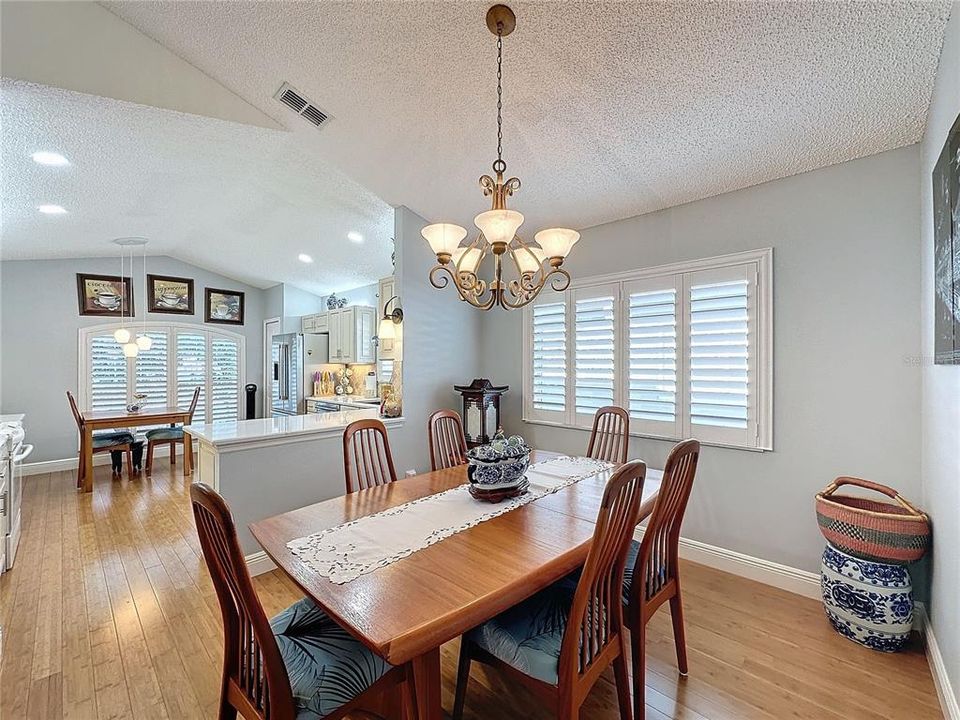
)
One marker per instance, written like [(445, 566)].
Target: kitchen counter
[(353, 401), (269, 466), (267, 431)]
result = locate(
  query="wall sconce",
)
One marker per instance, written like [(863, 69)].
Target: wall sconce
[(389, 319)]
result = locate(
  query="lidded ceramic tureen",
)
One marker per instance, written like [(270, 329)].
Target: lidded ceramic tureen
[(501, 464)]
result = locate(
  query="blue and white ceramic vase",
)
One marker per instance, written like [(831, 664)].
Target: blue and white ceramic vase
[(868, 602)]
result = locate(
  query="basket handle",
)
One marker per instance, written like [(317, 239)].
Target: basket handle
[(869, 485)]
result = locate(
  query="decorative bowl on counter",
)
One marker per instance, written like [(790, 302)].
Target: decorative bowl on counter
[(499, 465)]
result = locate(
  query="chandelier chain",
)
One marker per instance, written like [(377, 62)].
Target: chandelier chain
[(499, 100)]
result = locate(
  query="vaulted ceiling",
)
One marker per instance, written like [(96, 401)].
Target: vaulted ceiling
[(611, 109)]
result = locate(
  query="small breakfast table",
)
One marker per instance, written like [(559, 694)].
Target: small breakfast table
[(406, 610), (107, 420)]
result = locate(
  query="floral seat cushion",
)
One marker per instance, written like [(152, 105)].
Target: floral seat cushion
[(327, 666), (528, 636), (109, 439), (167, 433)]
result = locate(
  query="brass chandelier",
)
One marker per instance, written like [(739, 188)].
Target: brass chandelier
[(534, 264)]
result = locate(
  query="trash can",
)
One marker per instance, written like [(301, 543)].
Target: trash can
[(251, 392)]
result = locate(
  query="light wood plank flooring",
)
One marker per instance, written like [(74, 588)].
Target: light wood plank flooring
[(110, 613)]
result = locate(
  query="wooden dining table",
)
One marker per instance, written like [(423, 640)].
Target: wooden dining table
[(104, 420), (406, 610)]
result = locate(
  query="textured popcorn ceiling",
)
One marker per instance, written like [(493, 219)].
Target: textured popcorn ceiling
[(611, 109), (236, 199)]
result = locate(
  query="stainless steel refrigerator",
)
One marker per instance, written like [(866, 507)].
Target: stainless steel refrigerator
[(296, 357)]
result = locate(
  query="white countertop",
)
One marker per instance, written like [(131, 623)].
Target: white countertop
[(295, 427)]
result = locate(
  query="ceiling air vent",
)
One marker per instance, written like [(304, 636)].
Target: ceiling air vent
[(292, 98)]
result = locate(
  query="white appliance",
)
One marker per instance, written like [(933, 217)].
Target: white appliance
[(13, 451), (296, 357)]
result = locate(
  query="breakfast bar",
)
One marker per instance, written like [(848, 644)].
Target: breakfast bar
[(268, 466)]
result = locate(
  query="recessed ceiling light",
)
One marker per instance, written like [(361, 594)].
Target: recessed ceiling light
[(354, 236), (304, 258), (51, 209), (50, 158)]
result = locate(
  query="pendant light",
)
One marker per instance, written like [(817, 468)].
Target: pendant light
[(122, 335), (144, 341)]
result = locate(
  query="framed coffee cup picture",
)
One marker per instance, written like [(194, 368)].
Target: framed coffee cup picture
[(223, 306), (109, 295), (167, 294)]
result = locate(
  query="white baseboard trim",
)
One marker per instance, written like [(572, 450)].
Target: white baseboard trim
[(259, 563), (800, 582), (47, 466), (948, 698)]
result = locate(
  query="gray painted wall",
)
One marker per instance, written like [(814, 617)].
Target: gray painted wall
[(846, 293), (940, 414), (39, 323), (441, 343)]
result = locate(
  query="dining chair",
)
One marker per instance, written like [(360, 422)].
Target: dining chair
[(367, 461), (654, 562), (611, 431), (448, 445), (119, 440), (560, 640), (172, 436), (300, 664)]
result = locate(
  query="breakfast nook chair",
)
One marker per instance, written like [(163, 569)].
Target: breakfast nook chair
[(119, 440), (448, 445), (300, 664), (367, 461), (560, 640), (611, 431), (653, 572), (172, 436)]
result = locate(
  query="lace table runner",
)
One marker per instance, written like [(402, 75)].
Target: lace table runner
[(345, 552)]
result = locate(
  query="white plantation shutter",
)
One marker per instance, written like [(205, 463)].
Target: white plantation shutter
[(181, 358), (686, 348), (594, 352), (151, 371), (224, 385), (191, 364), (106, 375), (652, 358), (548, 362), (722, 355)]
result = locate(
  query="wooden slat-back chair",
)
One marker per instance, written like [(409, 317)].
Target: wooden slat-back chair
[(367, 461), (173, 436), (611, 431), (255, 681), (656, 572), (448, 446), (124, 447), (593, 636)]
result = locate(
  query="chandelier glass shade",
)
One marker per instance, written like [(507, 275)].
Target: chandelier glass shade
[(530, 266)]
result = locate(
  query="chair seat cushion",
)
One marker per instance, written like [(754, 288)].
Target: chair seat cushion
[(327, 666), (111, 438), (528, 636), (632, 554), (168, 433)]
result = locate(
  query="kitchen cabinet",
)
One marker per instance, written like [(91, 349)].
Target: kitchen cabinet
[(317, 323), (351, 332), (387, 289)]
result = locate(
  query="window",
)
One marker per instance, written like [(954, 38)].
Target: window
[(180, 358), (685, 348)]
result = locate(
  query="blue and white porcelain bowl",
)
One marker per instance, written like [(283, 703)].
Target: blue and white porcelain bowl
[(501, 463), (868, 602)]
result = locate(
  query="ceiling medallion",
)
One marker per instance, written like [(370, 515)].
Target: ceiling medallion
[(535, 263)]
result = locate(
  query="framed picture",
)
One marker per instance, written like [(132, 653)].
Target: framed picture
[(946, 250), (105, 295), (169, 295), (223, 306)]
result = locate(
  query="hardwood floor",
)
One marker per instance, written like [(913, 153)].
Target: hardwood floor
[(109, 613)]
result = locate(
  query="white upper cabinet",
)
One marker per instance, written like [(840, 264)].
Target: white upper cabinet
[(351, 332)]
